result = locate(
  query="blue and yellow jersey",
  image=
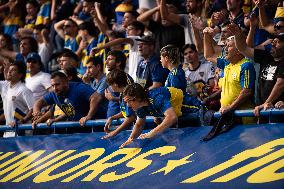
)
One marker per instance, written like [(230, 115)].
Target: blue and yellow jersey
[(11, 25), (237, 77), (44, 13), (163, 98), (176, 78), (102, 39), (30, 23), (120, 10), (86, 55), (71, 44), (125, 110)]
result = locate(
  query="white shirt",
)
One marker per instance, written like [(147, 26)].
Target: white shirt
[(18, 96), (45, 52), (38, 84), (201, 75), (134, 57)]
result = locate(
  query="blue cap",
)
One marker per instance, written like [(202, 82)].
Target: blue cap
[(33, 56)]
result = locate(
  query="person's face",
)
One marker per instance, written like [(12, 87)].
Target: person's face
[(164, 61), (191, 6), (145, 49), (31, 10), (87, 7), (2, 42), (111, 63), (37, 35), (59, 86), (92, 70), (190, 55), (127, 19), (69, 28), (132, 102), (277, 50), (13, 74), (279, 27), (25, 47), (231, 49), (66, 61), (131, 31), (33, 66)]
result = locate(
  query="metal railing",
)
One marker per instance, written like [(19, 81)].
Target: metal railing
[(149, 120)]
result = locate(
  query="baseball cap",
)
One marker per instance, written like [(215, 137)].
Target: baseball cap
[(33, 56), (147, 39)]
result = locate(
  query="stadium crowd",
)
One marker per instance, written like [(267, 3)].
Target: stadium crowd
[(80, 60)]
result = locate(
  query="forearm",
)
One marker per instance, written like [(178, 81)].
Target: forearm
[(28, 116), (250, 37), (137, 129), (94, 104), (277, 90), (244, 96), (209, 51), (241, 45), (146, 16), (127, 121), (166, 123), (198, 40)]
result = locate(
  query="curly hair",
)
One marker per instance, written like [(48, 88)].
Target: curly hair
[(172, 52)]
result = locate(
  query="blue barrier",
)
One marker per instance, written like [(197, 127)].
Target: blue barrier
[(149, 120)]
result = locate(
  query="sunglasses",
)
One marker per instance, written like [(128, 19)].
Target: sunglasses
[(278, 27)]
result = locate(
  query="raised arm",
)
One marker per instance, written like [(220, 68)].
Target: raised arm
[(240, 41), (99, 21), (209, 52), (9, 54), (167, 15), (113, 43), (148, 15), (263, 20), (59, 28), (253, 25)]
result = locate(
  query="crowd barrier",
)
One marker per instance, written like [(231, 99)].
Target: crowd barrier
[(149, 120)]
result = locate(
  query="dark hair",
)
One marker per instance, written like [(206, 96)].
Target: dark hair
[(39, 27), (70, 71), (22, 69), (116, 34), (68, 53), (32, 42), (73, 22), (59, 74), (137, 91), (9, 42), (118, 77), (133, 13), (172, 52), (191, 46), (90, 27), (96, 61), (138, 26), (119, 57), (33, 2)]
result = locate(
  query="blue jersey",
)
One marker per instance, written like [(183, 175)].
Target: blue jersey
[(163, 98), (44, 13), (150, 71), (176, 79), (86, 56), (71, 44), (126, 110), (75, 104)]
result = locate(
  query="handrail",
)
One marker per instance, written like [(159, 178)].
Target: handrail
[(249, 113), (101, 122)]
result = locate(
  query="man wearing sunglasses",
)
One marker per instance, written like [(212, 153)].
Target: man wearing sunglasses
[(271, 77)]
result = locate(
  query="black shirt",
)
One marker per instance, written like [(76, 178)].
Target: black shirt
[(270, 70)]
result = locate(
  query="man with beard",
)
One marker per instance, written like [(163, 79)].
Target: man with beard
[(76, 100), (271, 68), (239, 75)]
